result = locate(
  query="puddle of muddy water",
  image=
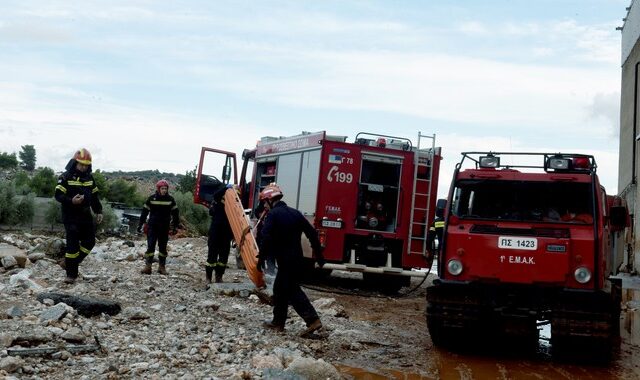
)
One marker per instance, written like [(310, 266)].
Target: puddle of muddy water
[(353, 373)]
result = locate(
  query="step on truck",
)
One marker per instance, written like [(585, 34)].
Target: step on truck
[(527, 241), (370, 199)]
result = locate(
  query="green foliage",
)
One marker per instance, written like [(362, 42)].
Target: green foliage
[(53, 214), (8, 161), (196, 216), (187, 183), (44, 182), (7, 203), (25, 209), (22, 182), (110, 220), (122, 191), (101, 182), (28, 157)]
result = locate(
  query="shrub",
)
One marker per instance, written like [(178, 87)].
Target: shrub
[(110, 220), (25, 210), (196, 216), (53, 214), (44, 182), (7, 202)]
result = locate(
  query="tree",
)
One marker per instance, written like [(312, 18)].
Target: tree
[(8, 161), (28, 157), (44, 182), (122, 192), (25, 209), (187, 183), (53, 214), (101, 183), (22, 182)]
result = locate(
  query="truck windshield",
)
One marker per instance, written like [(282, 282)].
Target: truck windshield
[(558, 202)]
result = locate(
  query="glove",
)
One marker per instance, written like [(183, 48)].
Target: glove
[(319, 257), (261, 264), (139, 229)]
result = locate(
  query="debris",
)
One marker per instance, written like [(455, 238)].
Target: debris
[(86, 306), (40, 351)]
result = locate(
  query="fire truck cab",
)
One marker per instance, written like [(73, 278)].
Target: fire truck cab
[(370, 199), (527, 241)]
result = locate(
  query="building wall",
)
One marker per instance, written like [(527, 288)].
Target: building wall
[(630, 55)]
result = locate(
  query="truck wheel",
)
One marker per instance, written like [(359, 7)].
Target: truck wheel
[(386, 283)]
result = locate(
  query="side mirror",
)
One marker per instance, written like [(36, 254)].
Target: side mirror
[(618, 218), (226, 173)]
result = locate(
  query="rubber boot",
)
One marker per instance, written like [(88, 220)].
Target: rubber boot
[(147, 265), (311, 327), (209, 274), (219, 273), (162, 269)]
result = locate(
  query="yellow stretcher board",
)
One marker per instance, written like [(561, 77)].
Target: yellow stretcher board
[(240, 226)]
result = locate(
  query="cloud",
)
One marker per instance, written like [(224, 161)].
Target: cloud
[(606, 107), (474, 28)]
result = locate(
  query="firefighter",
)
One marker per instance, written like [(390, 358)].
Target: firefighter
[(435, 232), (163, 215), (262, 210), (220, 237), (77, 192), (281, 235)]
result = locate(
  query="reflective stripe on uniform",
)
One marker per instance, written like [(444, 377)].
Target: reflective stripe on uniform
[(148, 254), (80, 183), (174, 207), (439, 224), (83, 249), (161, 203), (95, 190), (146, 206), (162, 254), (72, 255), (216, 264), (61, 188)]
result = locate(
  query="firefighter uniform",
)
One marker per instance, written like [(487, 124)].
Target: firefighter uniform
[(220, 236), (76, 215), (163, 215), (283, 228), (435, 232)]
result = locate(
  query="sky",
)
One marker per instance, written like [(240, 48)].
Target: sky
[(145, 84)]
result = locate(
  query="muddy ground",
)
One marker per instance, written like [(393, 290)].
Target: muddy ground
[(173, 327)]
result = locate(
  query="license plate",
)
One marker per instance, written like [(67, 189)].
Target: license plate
[(509, 242), (331, 224)]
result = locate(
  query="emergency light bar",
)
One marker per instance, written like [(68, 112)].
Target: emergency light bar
[(553, 162)]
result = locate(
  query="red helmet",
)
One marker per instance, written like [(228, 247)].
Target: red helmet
[(271, 192), (161, 183), (82, 156)]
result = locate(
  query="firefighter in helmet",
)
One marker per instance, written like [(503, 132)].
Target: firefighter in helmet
[(283, 228), (163, 215), (77, 192), (220, 237)]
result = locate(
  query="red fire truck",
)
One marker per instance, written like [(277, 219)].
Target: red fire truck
[(527, 241), (370, 199)]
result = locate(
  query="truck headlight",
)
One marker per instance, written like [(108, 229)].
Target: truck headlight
[(582, 275), (454, 266)]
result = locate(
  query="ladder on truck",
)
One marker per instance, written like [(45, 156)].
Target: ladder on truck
[(421, 198)]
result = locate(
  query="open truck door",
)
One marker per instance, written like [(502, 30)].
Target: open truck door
[(214, 170)]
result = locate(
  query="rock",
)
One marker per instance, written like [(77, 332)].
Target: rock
[(54, 248), (14, 312), (8, 262), (312, 369), (73, 335), (266, 361), (208, 304), (36, 256), (6, 340), (33, 337), (22, 278), (180, 308), (85, 306), (11, 364), (129, 243), (330, 306), (17, 254), (54, 313), (134, 313)]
